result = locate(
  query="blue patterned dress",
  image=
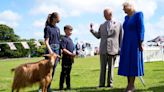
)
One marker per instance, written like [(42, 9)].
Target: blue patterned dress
[(131, 58)]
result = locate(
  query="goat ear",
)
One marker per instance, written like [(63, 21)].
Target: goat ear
[(46, 55), (57, 55)]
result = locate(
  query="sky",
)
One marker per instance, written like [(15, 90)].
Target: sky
[(27, 17)]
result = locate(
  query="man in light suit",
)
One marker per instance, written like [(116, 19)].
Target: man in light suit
[(110, 33)]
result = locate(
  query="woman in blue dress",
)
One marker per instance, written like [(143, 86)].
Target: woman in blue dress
[(131, 56)]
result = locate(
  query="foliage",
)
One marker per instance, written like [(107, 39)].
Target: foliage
[(35, 51), (20, 52), (7, 35)]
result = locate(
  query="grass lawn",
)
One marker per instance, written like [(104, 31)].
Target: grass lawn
[(85, 76)]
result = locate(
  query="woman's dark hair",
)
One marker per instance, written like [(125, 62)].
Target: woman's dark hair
[(53, 15), (48, 20)]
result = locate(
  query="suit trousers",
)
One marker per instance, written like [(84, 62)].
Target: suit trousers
[(106, 60)]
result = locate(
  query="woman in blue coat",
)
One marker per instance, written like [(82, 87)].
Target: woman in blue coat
[(131, 56)]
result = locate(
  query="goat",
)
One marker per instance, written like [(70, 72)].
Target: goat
[(36, 72)]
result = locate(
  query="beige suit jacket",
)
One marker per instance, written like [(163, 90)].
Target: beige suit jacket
[(110, 39)]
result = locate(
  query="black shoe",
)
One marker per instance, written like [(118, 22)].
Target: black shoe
[(101, 86), (68, 87), (110, 86), (61, 88)]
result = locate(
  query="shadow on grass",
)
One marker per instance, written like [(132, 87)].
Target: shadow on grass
[(88, 89), (158, 70), (76, 75), (157, 89), (95, 70), (95, 89), (33, 91), (161, 82), (2, 90)]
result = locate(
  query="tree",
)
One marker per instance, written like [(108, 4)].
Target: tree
[(36, 51), (7, 34)]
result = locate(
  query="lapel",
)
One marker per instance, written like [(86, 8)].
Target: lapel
[(112, 28), (104, 28), (111, 24)]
